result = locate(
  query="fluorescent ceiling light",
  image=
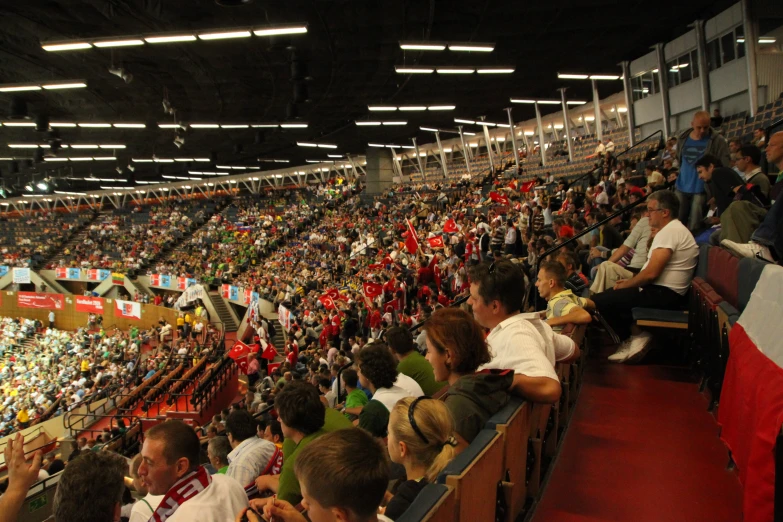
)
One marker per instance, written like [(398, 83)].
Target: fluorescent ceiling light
[(412, 108), (170, 39), (441, 107), (414, 70), (505, 125), (119, 43), (95, 125), (81, 158), (495, 70), (23, 145), (548, 102), (17, 88), (377, 145), (61, 124), (169, 125), (281, 161), (55, 159), (293, 125), (466, 133), (224, 35), (18, 124), (129, 125), (572, 76), (520, 100), (204, 126), (306, 144), (486, 123), (207, 160), (422, 46), (314, 161), (383, 107), (233, 126), (368, 123), (326, 146), (68, 85), (265, 126), (141, 160), (604, 77), (72, 46), (112, 146), (460, 120), (104, 158), (590, 118), (395, 122), (455, 70), (428, 129), (334, 155), (530, 133), (274, 31), (622, 109), (83, 146), (575, 102), (469, 47), (183, 159), (163, 160), (767, 39)]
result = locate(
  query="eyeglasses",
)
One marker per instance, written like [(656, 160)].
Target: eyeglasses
[(412, 419), (655, 209)]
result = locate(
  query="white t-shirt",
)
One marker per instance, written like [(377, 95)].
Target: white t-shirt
[(389, 396), (678, 272), (143, 509), (409, 385), (221, 501)]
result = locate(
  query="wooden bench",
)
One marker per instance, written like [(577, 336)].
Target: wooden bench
[(513, 423), (539, 415), (435, 503)]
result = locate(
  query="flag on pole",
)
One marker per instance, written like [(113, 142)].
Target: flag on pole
[(327, 301), (450, 226), (372, 290), (412, 241), (498, 198), (527, 186), (435, 242)]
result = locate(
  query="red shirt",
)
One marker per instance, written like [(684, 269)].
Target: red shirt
[(375, 319), (425, 275)]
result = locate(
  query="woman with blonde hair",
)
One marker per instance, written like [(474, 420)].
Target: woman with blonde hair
[(421, 438)]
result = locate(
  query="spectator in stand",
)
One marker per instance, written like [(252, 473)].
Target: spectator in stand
[(653, 177), (510, 240), (378, 373), (575, 281), (170, 467), (716, 120), (721, 181), (142, 509), (411, 362), (421, 438), (355, 398), (250, 456), (694, 143), (600, 149), (563, 307), (748, 162), (357, 468), (218, 449), (663, 281), (759, 138), (610, 271), (456, 348), (273, 432), (609, 145), (91, 488)]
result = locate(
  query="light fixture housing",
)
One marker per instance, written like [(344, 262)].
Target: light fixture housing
[(472, 47), (414, 70), (423, 46)]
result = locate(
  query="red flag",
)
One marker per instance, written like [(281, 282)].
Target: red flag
[(225, 291), (375, 266), (513, 185), (332, 292), (342, 297), (498, 198), (272, 367), (327, 301), (412, 241), (239, 353), (61, 273), (372, 290), (269, 352), (527, 186), (450, 226), (436, 242)]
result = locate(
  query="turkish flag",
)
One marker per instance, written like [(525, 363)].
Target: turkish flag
[(226, 291), (450, 226), (269, 352), (342, 297), (155, 279), (372, 290), (498, 198), (512, 185), (239, 353), (412, 241), (527, 186), (436, 242), (375, 266), (327, 301), (332, 292), (272, 367)]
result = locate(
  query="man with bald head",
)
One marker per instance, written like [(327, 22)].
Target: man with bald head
[(694, 143)]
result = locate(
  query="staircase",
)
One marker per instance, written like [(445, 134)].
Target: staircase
[(224, 314), (279, 339)]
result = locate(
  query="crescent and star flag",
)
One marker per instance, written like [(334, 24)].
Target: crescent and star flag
[(436, 242), (269, 352), (450, 226), (328, 302), (372, 290), (412, 241), (498, 198), (527, 186)]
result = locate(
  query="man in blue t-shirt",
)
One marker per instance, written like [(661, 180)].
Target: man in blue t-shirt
[(694, 143)]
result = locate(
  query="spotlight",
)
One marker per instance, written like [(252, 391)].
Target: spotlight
[(29, 187), (42, 185), (179, 141), (131, 167), (121, 72)]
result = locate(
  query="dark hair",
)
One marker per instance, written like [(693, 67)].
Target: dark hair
[(555, 270), (91, 487), (276, 429), (456, 329), (506, 284), (299, 406), (353, 461), (220, 448), (323, 381), (568, 258), (241, 425), (179, 441), (377, 363), (56, 466), (399, 340), (752, 152), (666, 201), (350, 377), (707, 160)]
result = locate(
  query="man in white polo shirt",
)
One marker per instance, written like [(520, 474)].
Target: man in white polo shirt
[(519, 342), (663, 281)]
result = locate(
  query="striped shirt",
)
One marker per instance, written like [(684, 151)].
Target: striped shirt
[(249, 460)]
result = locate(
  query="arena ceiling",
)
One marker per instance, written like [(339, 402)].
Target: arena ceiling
[(345, 62)]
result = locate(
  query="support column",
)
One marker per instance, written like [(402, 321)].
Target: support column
[(513, 139), (751, 39), (617, 117), (489, 148), (566, 123), (465, 151), (626, 66), (663, 80), (396, 164), (704, 74), (541, 141), (418, 159), (524, 140), (380, 170), (599, 128), (442, 155)]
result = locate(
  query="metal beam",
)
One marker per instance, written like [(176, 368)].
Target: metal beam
[(541, 140), (751, 37), (566, 123), (704, 74), (663, 81), (599, 128), (626, 66)]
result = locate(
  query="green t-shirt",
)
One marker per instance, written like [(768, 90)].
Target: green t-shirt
[(374, 418), (419, 369), (356, 398), (288, 485)]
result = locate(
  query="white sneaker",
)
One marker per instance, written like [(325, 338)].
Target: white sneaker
[(640, 345), (750, 249), (622, 351)]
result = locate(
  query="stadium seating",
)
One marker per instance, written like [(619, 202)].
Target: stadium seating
[(435, 503)]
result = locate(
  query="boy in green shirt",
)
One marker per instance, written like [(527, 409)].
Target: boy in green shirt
[(356, 398), (411, 362)]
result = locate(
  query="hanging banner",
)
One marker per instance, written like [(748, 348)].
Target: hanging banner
[(127, 309), (225, 291), (95, 274), (248, 296), (67, 273), (285, 317), (181, 283), (21, 276), (92, 305), (191, 294), (234, 293), (40, 300), (3, 270), (117, 278)]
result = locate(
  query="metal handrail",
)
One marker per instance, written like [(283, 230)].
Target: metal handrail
[(130, 419)]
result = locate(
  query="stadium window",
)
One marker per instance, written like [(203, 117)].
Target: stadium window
[(672, 71), (656, 83), (727, 43), (739, 32), (694, 64), (713, 54), (685, 68)]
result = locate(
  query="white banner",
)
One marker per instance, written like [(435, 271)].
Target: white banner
[(285, 317), (127, 309), (191, 293), (21, 276)]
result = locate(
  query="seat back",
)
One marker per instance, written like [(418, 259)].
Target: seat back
[(704, 261), (513, 423), (749, 272), (474, 474), (435, 503), (722, 274)]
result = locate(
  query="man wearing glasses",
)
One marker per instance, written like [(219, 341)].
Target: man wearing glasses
[(663, 281)]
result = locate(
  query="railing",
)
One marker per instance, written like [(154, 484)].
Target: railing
[(32, 436), (129, 421), (89, 416), (219, 376)]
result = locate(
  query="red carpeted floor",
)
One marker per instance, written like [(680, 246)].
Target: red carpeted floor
[(641, 447)]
